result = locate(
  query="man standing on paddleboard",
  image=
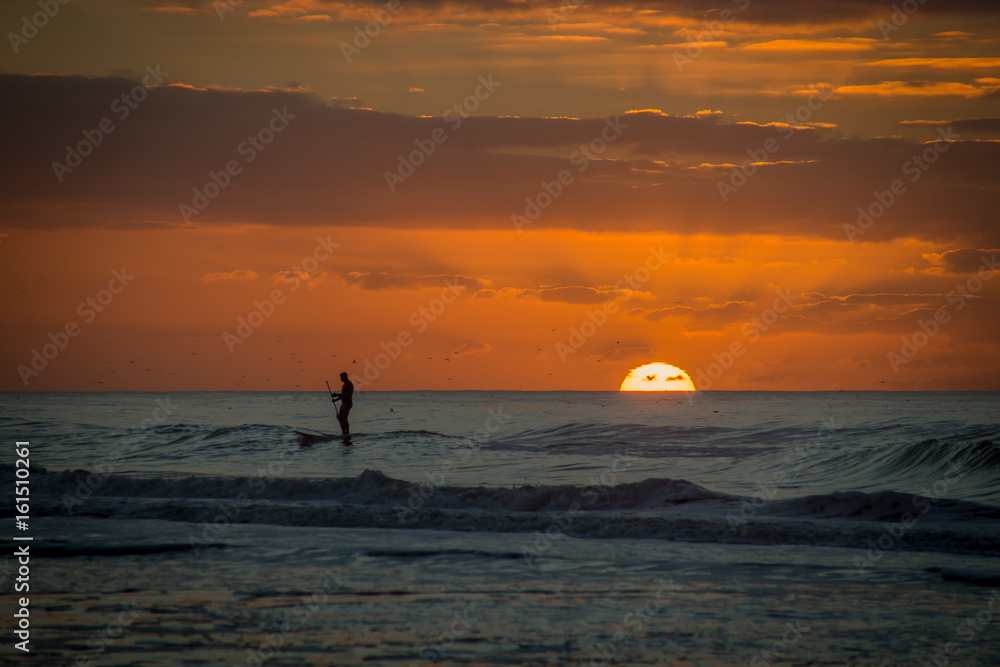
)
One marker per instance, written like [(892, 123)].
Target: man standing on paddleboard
[(346, 397)]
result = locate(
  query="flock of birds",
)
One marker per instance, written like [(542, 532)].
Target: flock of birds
[(303, 370), (267, 379)]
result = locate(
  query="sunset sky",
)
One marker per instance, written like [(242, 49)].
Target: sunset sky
[(768, 194)]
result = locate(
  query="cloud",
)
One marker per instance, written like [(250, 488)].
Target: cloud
[(328, 165), (813, 45), (757, 11), (572, 294), (938, 63), (579, 295), (472, 348), (963, 260), (239, 274), (348, 102), (409, 281), (810, 312), (961, 125), (301, 9), (623, 353), (310, 280), (921, 89), (714, 313), (954, 34)]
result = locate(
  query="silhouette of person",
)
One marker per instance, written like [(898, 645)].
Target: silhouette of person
[(346, 396)]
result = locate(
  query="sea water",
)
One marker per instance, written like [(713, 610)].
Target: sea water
[(500, 528)]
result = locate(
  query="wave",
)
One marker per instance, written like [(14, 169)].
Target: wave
[(655, 439), (931, 466), (966, 576), (407, 554), (373, 487), (66, 550), (656, 508), (933, 454)]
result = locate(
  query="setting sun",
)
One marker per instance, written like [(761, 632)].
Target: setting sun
[(657, 377)]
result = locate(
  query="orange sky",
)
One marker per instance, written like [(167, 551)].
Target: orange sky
[(518, 196)]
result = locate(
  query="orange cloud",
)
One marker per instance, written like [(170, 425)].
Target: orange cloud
[(799, 45), (239, 274), (920, 89), (938, 63)]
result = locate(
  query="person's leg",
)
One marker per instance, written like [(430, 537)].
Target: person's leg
[(344, 424)]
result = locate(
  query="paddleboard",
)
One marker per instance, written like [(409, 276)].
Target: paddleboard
[(309, 437)]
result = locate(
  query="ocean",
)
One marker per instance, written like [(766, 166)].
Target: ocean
[(504, 528)]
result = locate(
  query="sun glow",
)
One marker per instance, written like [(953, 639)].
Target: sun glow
[(657, 377)]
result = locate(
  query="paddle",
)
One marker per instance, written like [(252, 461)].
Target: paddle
[(334, 399)]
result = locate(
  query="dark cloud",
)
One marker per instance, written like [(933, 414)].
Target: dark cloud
[(763, 11), (714, 314), (966, 260), (327, 166), (962, 125), (379, 281), (623, 353), (472, 347), (577, 295)]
